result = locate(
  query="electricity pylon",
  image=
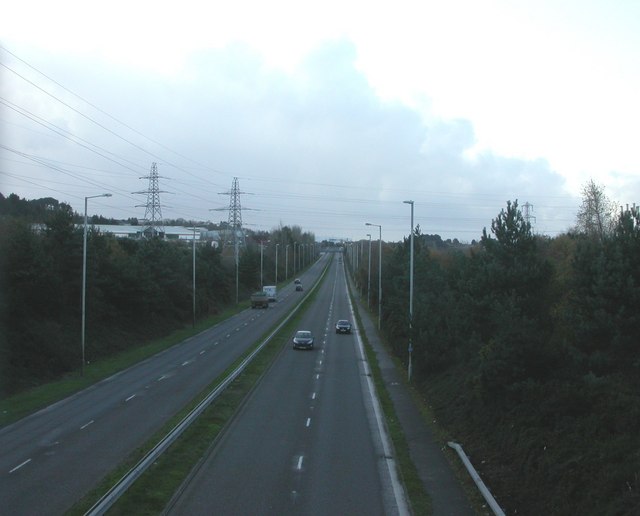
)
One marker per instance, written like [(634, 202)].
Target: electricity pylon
[(234, 234), (153, 223), (528, 209), (235, 214)]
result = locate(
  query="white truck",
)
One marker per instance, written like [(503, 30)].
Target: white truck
[(271, 291)]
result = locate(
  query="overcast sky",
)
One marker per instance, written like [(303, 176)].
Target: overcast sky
[(331, 114)]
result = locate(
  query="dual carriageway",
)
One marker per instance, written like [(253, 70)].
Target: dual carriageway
[(309, 440)]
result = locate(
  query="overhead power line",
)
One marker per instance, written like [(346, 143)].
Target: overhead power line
[(106, 114), (67, 134)]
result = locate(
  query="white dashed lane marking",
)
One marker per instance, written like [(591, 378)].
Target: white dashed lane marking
[(29, 460)]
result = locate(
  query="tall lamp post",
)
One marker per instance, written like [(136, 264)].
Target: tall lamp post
[(379, 270), (410, 294), (262, 242), (236, 256), (369, 275), (276, 281), (194, 277), (294, 258), (84, 272), (286, 262)]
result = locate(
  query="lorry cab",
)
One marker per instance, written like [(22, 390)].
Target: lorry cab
[(271, 291)]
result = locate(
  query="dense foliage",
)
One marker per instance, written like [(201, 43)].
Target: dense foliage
[(136, 289), (528, 350), (526, 347)]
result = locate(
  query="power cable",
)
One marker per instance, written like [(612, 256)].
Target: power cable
[(158, 158)]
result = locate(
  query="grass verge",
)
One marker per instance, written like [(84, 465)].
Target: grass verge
[(30, 401)]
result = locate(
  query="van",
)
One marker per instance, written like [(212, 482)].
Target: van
[(271, 291)]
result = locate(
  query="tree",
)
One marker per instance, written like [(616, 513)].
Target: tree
[(596, 217), (606, 294), (510, 289)]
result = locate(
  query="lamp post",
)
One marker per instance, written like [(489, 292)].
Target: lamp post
[(276, 281), (379, 271), (294, 257), (262, 242), (84, 272), (410, 294), (369, 275), (194, 277), (286, 262), (354, 256), (236, 256)]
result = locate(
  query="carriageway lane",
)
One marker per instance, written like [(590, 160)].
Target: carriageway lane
[(50, 459), (306, 440)]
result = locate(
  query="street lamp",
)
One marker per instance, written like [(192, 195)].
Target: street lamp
[(369, 275), (84, 271), (294, 257), (276, 281), (194, 277), (236, 256), (286, 262), (379, 271), (262, 242), (410, 294)]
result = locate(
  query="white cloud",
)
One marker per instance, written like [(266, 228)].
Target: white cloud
[(461, 105)]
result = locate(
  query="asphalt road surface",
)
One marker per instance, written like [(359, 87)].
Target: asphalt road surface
[(52, 458), (307, 441)]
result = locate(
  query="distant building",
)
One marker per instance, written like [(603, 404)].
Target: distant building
[(180, 233)]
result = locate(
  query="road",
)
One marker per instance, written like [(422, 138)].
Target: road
[(308, 440), (51, 459)]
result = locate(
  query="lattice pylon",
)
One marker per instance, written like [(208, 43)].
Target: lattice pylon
[(153, 223), (235, 234)]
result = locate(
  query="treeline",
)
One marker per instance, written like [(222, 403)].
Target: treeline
[(137, 290), (528, 350)]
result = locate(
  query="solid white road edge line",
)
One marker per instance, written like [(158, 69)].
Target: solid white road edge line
[(398, 490)]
